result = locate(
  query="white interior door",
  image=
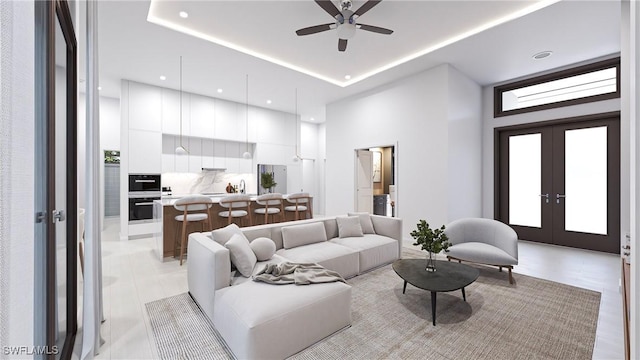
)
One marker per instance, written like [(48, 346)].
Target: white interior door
[(364, 181)]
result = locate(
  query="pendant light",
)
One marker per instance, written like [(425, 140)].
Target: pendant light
[(247, 154), (296, 157), (180, 150)]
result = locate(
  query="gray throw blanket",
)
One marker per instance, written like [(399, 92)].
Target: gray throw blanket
[(296, 273)]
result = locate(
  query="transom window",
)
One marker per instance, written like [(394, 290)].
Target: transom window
[(593, 82)]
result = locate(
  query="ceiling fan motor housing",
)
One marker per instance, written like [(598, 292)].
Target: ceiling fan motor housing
[(347, 29)]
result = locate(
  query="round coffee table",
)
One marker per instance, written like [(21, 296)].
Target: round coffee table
[(449, 276)]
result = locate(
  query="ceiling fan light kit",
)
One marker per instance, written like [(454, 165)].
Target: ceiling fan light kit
[(345, 24)]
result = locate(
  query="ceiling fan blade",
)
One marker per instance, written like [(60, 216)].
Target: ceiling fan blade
[(375, 29), (366, 7), (314, 29), (329, 7), (342, 44)]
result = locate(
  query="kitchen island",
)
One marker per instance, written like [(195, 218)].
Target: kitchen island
[(164, 211)]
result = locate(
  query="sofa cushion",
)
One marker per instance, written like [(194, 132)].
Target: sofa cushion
[(481, 253), (263, 321), (298, 235), (373, 250), (221, 236), (349, 226), (334, 257), (237, 278), (365, 222), (241, 254), (263, 247)]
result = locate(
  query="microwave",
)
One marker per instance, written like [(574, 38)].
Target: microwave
[(144, 183)]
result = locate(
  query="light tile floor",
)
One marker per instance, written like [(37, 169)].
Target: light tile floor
[(133, 276)]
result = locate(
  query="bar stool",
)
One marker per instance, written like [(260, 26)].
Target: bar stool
[(272, 205), (301, 203), (238, 206), (188, 204)]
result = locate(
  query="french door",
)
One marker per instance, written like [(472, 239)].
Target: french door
[(560, 183), (55, 167)]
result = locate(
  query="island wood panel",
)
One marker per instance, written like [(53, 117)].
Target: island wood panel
[(171, 229)]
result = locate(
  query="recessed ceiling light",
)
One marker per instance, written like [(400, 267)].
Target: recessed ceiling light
[(268, 101), (312, 119), (99, 88), (219, 90), (542, 55), (162, 77), (184, 14), (347, 77)]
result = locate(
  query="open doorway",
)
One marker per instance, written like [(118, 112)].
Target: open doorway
[(375, 183)]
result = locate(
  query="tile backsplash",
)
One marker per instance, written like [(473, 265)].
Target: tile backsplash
[(206, 182)]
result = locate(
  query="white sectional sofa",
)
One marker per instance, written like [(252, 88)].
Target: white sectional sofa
[(264, 321)]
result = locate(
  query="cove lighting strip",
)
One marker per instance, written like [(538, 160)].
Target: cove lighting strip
[(153, 18)]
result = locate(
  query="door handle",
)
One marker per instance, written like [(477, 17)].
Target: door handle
[(558, 196), (58, 215), (545, 196)]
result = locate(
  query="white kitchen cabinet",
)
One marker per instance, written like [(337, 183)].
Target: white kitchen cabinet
[(226, 113), (202, 118), (145, 152), (168, 153), (145, 107), (170, 111), (195, 155), (207, 153)]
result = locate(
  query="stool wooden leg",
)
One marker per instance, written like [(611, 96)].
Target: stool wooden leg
[(184, 235), (510, 276)]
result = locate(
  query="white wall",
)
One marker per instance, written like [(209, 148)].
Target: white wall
[(465, 144), (17, 174), (415, 114)]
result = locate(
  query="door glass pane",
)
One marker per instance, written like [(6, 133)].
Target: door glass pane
[(61, 185), (586, 180), (525, 180)]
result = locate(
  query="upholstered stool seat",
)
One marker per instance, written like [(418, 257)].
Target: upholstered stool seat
[(272, 205), (301, 205), (186, 205), (238, 207)]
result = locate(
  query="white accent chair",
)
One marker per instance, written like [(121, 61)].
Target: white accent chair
[(483, 241), (271, 205), (186, 205), (238, 207), (301, 204)]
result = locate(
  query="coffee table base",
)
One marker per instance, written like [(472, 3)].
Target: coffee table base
[(433, 300)]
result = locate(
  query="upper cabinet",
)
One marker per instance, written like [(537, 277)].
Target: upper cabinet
[(202, 116), (145, 107)]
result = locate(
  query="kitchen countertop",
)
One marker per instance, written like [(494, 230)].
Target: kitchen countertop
[(169, 200)]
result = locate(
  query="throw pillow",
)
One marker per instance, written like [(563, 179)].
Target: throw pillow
[(221, 236), (349, 226), (298, 235), (263, 247), (365, 222), (241, 254)]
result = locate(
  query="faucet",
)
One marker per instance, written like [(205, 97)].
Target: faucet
[(242, 186)]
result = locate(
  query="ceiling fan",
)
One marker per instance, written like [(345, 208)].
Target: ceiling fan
[(345, 21)]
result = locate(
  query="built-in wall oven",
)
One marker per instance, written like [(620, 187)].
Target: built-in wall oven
[(143, 190)]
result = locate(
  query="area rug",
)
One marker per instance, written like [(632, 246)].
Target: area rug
[(531, 319)]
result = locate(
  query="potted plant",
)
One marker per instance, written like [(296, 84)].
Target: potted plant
[(266, 181), (432, 240)]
